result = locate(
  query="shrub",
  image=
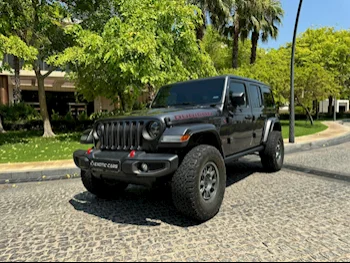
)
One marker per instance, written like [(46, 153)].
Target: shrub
[(18, 112), (57, 126), (139, 106), (100, 115), (55, 116), (83, 116), (69, 117)]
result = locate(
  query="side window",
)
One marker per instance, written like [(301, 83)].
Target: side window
[(256, 98), (238, 94), (269, 102)]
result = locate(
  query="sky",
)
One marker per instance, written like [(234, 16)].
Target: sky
[(314, 13)]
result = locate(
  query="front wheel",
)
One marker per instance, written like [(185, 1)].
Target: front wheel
[(272, 157), (199, 184), (101, 188)]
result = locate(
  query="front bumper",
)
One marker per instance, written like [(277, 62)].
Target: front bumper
[(120, 166)]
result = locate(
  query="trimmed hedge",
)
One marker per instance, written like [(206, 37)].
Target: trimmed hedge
[(81, 125), (57, 125), (298, 117), (322, 116)]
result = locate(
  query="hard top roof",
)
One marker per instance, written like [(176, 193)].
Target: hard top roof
[(224, 77)]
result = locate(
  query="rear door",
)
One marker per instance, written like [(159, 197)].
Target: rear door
[(259, 117)]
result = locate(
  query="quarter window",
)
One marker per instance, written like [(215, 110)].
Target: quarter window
[(268, 99)]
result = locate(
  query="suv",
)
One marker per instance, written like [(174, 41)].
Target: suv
[(186, 136)]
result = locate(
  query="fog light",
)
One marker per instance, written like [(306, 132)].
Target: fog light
[(144, 167)]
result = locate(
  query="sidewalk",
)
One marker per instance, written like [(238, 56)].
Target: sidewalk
[(36, 166), (334, 130), (336, 133), (38, 171)]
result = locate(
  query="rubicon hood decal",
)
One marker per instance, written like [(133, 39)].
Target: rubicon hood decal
[(194, 115)]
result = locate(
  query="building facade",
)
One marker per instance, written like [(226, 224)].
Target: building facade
[(60, 93), (341, 106)]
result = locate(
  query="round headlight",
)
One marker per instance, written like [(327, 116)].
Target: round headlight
[(154, 129)]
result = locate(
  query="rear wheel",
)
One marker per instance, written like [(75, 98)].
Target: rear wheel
[(199, 184), (102, 188), (272, 157)]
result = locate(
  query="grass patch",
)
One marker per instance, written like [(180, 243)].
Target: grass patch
[(29, 146), (302, 128)]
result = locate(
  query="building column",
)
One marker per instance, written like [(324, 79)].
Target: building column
[(4, 91)]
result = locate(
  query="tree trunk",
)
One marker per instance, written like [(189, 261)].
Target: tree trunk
[(122, 102), (43, 107), (235, 46), (200, 29), (151, 93), (200, 32), (330, 105), (17, 89), (255, 40), (1, 127), (307, 111)]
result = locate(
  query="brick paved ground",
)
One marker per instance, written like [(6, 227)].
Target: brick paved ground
[(265, 217)]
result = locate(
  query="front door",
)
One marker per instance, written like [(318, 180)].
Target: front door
[(239, 127)]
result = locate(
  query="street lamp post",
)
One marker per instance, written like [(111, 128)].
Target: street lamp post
[(335, 109), (292, 99)]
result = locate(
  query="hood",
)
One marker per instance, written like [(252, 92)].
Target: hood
[(174, 115)]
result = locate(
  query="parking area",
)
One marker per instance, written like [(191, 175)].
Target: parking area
[(293, 215)]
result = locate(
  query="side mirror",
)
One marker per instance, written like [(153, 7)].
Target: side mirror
[(237, 99), (87, 137)]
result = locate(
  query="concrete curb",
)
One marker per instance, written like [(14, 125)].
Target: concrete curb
[(293, 148), (71, 173), (39, 175)]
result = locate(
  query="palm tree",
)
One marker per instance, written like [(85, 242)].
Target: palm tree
[(264, 23), (243, 11), (218, 10)]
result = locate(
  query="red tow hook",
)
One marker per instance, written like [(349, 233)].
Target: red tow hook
[(89, 151), (132, 154)]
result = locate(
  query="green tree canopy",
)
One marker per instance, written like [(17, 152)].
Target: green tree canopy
[(271, 68), (137, 49), (322, 67), (220, 51)]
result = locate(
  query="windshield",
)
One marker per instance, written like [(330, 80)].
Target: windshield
[(201, 92)]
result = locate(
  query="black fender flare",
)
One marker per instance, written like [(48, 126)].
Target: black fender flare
[(192, 130)]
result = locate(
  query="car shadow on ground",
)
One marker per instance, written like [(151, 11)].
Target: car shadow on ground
[(151, 206)]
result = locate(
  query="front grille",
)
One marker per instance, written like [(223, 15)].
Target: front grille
[(120, 135)]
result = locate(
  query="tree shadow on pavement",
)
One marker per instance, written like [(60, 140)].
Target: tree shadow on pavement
[(150, 206)]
